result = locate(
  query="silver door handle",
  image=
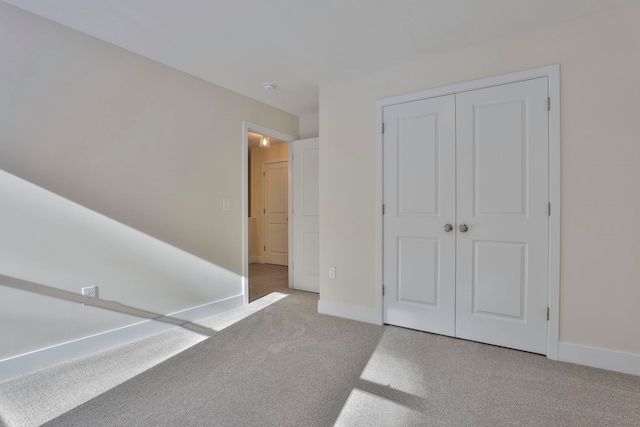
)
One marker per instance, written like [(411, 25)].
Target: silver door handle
[(448, 227), (463, 228)]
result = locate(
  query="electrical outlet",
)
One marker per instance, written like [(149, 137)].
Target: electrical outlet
[(226, 204), (89, 295), (332, 272)]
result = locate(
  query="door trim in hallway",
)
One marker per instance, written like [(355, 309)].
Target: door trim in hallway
[(552, 73), (246, 128)]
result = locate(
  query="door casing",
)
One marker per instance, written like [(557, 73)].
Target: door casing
[(262, 130), (552, 73)]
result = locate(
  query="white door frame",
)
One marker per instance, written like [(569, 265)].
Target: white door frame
[(552, 72), (262, 130)]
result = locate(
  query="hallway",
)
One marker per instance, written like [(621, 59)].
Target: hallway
[(267, 278)]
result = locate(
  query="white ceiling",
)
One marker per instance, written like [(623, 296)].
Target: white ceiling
[(299, 44)]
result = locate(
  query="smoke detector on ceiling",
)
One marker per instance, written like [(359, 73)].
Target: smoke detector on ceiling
[(269, 87)]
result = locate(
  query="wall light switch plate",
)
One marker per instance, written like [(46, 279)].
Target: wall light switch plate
[(89, 295), (226, 204), (332, 272)]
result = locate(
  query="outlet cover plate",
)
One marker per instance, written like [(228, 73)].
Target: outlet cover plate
[(89, 295)]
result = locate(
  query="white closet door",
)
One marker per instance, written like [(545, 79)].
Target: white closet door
[(306, 215), (502, 197), (419, 199)]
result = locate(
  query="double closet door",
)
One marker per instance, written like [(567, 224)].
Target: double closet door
[(466, 222)]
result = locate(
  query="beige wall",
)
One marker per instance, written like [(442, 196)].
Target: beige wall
[(140, 142), (260, 156), (309, 125), (600, 106)]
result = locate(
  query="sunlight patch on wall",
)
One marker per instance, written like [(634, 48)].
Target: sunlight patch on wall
[(49, 240)]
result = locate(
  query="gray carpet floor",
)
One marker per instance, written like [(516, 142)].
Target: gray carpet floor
[(267, 278), (287, 365), (38, 397)]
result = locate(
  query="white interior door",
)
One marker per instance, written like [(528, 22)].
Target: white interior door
[(306, 215), (276, 233), (477, 160), (419, 200), (502, 259)]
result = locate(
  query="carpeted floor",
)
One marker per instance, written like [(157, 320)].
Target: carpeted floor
[(267, 278), (287, 365), (33, 399)]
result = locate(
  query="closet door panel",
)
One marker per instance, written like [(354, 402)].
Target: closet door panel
[(419, 198), (502, 200)]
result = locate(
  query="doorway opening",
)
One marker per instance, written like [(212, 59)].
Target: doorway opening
[(267, 233)]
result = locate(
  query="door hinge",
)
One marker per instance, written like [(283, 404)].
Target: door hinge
[(549, 210), (264, 248), (383, 128), (264, 211), (382, 290), (382, 209), (548, 313), (264, 174), (548, 104)]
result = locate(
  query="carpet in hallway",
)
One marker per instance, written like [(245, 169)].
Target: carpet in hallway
[(267, 278)]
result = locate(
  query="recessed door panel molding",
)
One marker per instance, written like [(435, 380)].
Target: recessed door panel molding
[(418, 274), (310, 253), (279, 240), (306, 218), (466, 225), (499, 282), (419, 199), (500, 132), (310, 158), (417, 165), (278, 192)]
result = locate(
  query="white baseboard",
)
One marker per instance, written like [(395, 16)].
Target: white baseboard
[(353, 312), (255, 260), (51, 356), (627, 363)]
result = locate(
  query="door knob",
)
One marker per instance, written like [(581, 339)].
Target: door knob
[(463, 228), (448, 227)]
